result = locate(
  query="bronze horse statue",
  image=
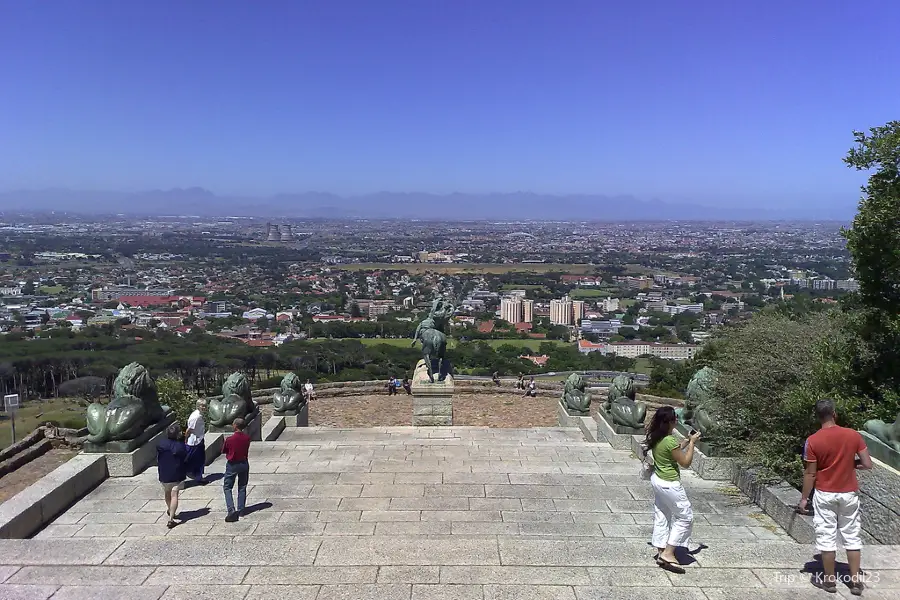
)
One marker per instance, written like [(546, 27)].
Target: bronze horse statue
[(434, 341)]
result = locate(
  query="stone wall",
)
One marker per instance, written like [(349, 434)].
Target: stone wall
[(879, 491), (340, 389), (36, 444)]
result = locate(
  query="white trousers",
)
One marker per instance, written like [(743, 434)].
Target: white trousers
[(833, 512), (673, 517)]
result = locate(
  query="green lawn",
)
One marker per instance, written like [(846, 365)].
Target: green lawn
[(402, 342), (642, 365), (405, 342), (68, 413), (51, 290), (531, 344), (588, 293)]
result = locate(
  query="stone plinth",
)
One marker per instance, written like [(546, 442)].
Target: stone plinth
[(881, 451), (295, 418), (128, 463), (253, 428), (432, 402), (618, 436), (878, 494), (565, 418), (273, 428), (705, 463), (40, 503)]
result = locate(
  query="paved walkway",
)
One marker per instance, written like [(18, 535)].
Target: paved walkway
[(406, 513)]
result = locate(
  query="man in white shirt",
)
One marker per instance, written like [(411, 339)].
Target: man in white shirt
[(308, 389), (196, 427)]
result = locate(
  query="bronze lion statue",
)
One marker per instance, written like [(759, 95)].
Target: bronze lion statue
[(236, 401), (290, 396), (697, 401), (135, 406), (575, 397), (620, 404)]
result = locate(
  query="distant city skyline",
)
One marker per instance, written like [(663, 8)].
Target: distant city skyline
[(704, 103)]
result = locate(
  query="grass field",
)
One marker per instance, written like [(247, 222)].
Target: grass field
[(530, 344), (51, 290), (642, 365), (375, 341), (405, 342), (68, 413), (473, 268), (588, 293)]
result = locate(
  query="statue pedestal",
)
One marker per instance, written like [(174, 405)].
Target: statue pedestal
[(706, 464), (618, 436), (127, 458), (881, 451), (432, 402), (565, 418), (295, 418), (253, 428)]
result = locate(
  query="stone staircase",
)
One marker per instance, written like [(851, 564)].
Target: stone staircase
[(450, 513)]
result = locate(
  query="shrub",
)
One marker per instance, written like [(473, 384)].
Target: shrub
[(88, 388), (772, 369), (270, 382), (173, 394)]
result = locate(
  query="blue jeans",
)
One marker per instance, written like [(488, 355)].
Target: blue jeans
[(241, 471)]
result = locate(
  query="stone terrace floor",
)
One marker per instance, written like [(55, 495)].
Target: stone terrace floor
[(416, 513)]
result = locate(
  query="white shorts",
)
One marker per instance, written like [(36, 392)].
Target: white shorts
[(834, 512)]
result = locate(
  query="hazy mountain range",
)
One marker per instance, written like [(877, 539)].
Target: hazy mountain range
[(412, 205)]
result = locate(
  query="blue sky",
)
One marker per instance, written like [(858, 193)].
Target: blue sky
[(721, 103)]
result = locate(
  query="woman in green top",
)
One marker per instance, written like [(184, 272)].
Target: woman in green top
[(673, 517)]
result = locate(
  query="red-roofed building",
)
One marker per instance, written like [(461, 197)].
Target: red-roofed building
[(146, 301), (520, 327), (538, 360), (260, 343), (586, 346), (486, 327), (171, 322), (329, 318)]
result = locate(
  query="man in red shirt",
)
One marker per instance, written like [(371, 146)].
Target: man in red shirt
[(832, 456), (236, 449)]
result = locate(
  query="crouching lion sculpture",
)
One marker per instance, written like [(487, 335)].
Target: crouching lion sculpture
[(134, 408), (290, 397), (621, 406), (575, 397), (236, 401)]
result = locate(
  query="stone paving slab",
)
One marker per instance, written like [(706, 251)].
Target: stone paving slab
[(416, 513)]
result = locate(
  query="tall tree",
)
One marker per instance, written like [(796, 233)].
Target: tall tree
[(874, 243)]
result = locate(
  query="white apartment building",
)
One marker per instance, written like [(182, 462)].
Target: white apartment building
[(10, 291), (511, 310), (577, 311), (561, 311), (636, 349), (682, 308), (527, 311), (610, 304)]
